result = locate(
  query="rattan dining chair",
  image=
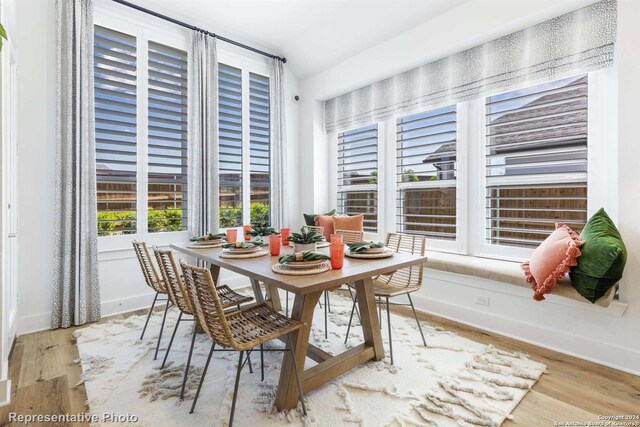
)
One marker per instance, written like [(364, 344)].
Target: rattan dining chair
[(401, 282), (155, 282), (348, 236), (179, 297), (240, 330)]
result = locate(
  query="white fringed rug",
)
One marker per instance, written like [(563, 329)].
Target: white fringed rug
[(451, 382)]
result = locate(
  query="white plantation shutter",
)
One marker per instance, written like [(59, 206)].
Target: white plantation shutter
[(426, 162), (259, 140), (230, 140), (536, 161), (167, 138), (358, 174), (116, 131)]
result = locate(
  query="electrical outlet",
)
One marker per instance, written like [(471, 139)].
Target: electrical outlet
[(482, 301)]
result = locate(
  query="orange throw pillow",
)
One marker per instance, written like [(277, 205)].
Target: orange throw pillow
[(351, 223), (552, 260), (325, 221)]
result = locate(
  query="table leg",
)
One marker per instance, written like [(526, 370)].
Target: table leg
[(368, 316), (257, 291), (274, 297), (287, 392), (215, 273)]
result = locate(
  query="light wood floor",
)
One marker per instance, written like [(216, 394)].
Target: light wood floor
[(43, 375)]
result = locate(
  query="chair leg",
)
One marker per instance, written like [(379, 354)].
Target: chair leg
[(249, 362), (417, 320), (235, 389), (297, 375), (186, 368), (164, 318), (389, 325), (204, 373), (173, 335), (326, 324), (350, 320), (328, 302), (380, 312), (149, 315), (261, 362), (353, 298)]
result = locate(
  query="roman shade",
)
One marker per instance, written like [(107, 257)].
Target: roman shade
[(574, 43)]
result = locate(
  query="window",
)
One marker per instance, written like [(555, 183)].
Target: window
[(426, 173), (536, 161), (358, 174), (140, 90), (230, 145), (167, 135), (115, 75), (244, 145), (260, 147)]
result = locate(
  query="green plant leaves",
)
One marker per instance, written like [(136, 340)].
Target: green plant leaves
[(3, 35), (305, 237)]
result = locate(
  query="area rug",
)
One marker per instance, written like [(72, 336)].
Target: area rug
[(453, 381)]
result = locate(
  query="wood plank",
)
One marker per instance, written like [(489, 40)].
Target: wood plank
[(332, 368), (32, 401), (287, 391), (274, 297), (538, 409), (317, 354), (369, 317)]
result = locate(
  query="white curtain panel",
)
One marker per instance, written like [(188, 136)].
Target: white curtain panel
[(204, 204), (573, 43), (279, 197), (76, 291)]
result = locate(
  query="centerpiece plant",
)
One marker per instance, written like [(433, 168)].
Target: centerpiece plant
[(260, 231), (305, 240)]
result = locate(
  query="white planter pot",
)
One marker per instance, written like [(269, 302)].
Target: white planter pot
[(297, 247)]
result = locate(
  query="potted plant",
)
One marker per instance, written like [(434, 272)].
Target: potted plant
[(260, 231), (305, 240)]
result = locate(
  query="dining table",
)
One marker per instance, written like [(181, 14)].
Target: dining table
[(307, 290)]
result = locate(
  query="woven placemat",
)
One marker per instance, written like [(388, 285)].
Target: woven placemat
[(256, 254), (283, 269), (195, 246), (386, 254)]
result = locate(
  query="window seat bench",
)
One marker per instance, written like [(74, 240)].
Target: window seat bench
[(505, 272)]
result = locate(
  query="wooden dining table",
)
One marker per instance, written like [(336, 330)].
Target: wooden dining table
[(307, 290)]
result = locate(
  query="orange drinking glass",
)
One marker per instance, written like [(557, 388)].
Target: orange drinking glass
[(232, 235), (337, 239), (337, 255), (285, 232), (246, 229), (274, 244)]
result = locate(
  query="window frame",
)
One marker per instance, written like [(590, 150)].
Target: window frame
[(143, 30)]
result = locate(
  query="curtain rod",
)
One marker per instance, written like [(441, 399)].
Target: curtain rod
[(194, 28)]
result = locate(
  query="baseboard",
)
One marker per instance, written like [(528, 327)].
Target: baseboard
[(605, 354), (42, 321), (5, 392)]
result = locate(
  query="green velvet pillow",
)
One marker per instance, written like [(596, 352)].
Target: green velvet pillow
[(309, 219), (603, 258)]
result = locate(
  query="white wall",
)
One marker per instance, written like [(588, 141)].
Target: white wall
[(122, 286), (574, 328)]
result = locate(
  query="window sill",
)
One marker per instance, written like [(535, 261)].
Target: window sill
[(485, 270)]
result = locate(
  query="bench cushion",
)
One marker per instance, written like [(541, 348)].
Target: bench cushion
[(502, 271)]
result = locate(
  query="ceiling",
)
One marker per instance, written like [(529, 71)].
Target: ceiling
[(313, 35)]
